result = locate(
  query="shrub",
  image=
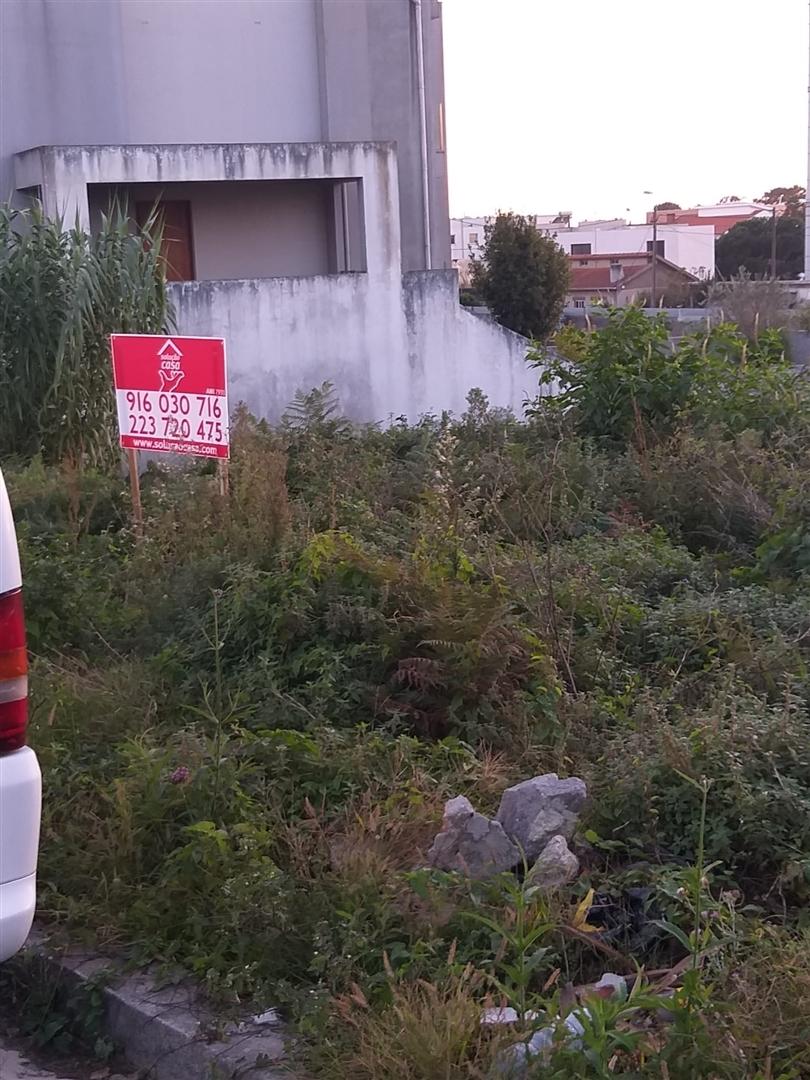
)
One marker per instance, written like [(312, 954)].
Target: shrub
[(627, 382)]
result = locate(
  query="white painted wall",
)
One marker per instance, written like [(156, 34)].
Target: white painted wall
[(388, 352), (688, 246), (466, 239)]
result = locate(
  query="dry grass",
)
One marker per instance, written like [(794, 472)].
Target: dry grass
[(770, 1004), (429, 1032)]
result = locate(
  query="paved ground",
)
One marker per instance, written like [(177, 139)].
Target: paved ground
[(14, 1067)]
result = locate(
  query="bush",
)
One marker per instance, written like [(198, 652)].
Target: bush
[(250, 719), (629, 383)]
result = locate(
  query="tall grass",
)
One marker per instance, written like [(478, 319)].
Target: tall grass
[(62, 293)]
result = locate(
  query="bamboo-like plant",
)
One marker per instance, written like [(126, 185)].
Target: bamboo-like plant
[(62, 293)]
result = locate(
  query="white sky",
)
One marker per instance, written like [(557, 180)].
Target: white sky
[(582, 104)]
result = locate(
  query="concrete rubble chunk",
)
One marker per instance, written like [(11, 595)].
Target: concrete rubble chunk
[(525, 1058), (556, 865), (470, 843), (535, 811)]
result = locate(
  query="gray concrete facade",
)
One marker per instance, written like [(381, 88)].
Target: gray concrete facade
[(121, 72), (295, 132)]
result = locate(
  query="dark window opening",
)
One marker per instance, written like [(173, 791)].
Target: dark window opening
[(659, 247), (580, 249), (174, 217)]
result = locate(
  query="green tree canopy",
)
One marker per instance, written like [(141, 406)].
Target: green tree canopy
[(793, 198), (667, 206), (522, 275), (747, 246)]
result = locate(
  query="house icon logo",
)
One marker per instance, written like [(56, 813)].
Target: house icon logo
[(170, 366)]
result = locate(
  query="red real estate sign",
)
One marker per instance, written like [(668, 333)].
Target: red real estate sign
[(172, 394)]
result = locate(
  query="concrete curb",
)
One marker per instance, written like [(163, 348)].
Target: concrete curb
[(167, 1031)]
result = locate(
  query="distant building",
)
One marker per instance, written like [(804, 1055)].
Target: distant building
[(689, 246), (721, 216), (467, 235), (626, 278)]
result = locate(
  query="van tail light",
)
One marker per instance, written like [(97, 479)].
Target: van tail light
[(13, 673)]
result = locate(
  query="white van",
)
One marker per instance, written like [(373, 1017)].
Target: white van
[(20, 781)]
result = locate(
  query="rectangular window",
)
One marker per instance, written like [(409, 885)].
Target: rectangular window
[(659, 247), (452, 238), (579, 303), (472, 237), (177, 247), (580, 249)]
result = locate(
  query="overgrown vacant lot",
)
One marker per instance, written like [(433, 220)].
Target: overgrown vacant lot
[(250, 721)]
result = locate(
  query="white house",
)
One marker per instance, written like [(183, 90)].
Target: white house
[(688, 246)]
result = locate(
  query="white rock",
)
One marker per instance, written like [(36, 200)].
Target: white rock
[(522, 1059), (505, 1015)]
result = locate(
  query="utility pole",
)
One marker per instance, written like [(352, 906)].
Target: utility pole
[(773, 242), (655, 257), (654, 298)]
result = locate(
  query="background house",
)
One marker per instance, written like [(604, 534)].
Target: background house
[(721, 216), (689, 245), (626, 278), (297, 153)]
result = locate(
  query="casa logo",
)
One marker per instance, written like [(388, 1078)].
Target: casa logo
[(170, 366)]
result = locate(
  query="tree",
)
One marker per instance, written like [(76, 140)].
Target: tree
[(747, 246), (522, 275), (667, 206), (792, 198)]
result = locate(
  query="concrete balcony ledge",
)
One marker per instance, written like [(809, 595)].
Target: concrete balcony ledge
[(62, 175), (144, 162)]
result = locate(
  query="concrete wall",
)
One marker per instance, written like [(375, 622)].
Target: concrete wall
[(248, 228), (388, 353), (228, 71)]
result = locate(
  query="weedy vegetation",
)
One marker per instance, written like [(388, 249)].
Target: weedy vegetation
[(250, 720)]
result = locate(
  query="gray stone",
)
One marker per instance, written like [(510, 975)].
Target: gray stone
[(471, 843), (555, 866), (538, 809)]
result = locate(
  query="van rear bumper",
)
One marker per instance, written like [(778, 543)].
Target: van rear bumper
[(20, 809), (18, 901)]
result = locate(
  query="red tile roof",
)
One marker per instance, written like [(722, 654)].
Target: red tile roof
[(590, 277), (721, 222)]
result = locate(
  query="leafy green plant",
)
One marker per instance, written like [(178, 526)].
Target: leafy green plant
[(62, 293)]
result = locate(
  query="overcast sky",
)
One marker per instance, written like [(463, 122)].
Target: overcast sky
[(582, 104)]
